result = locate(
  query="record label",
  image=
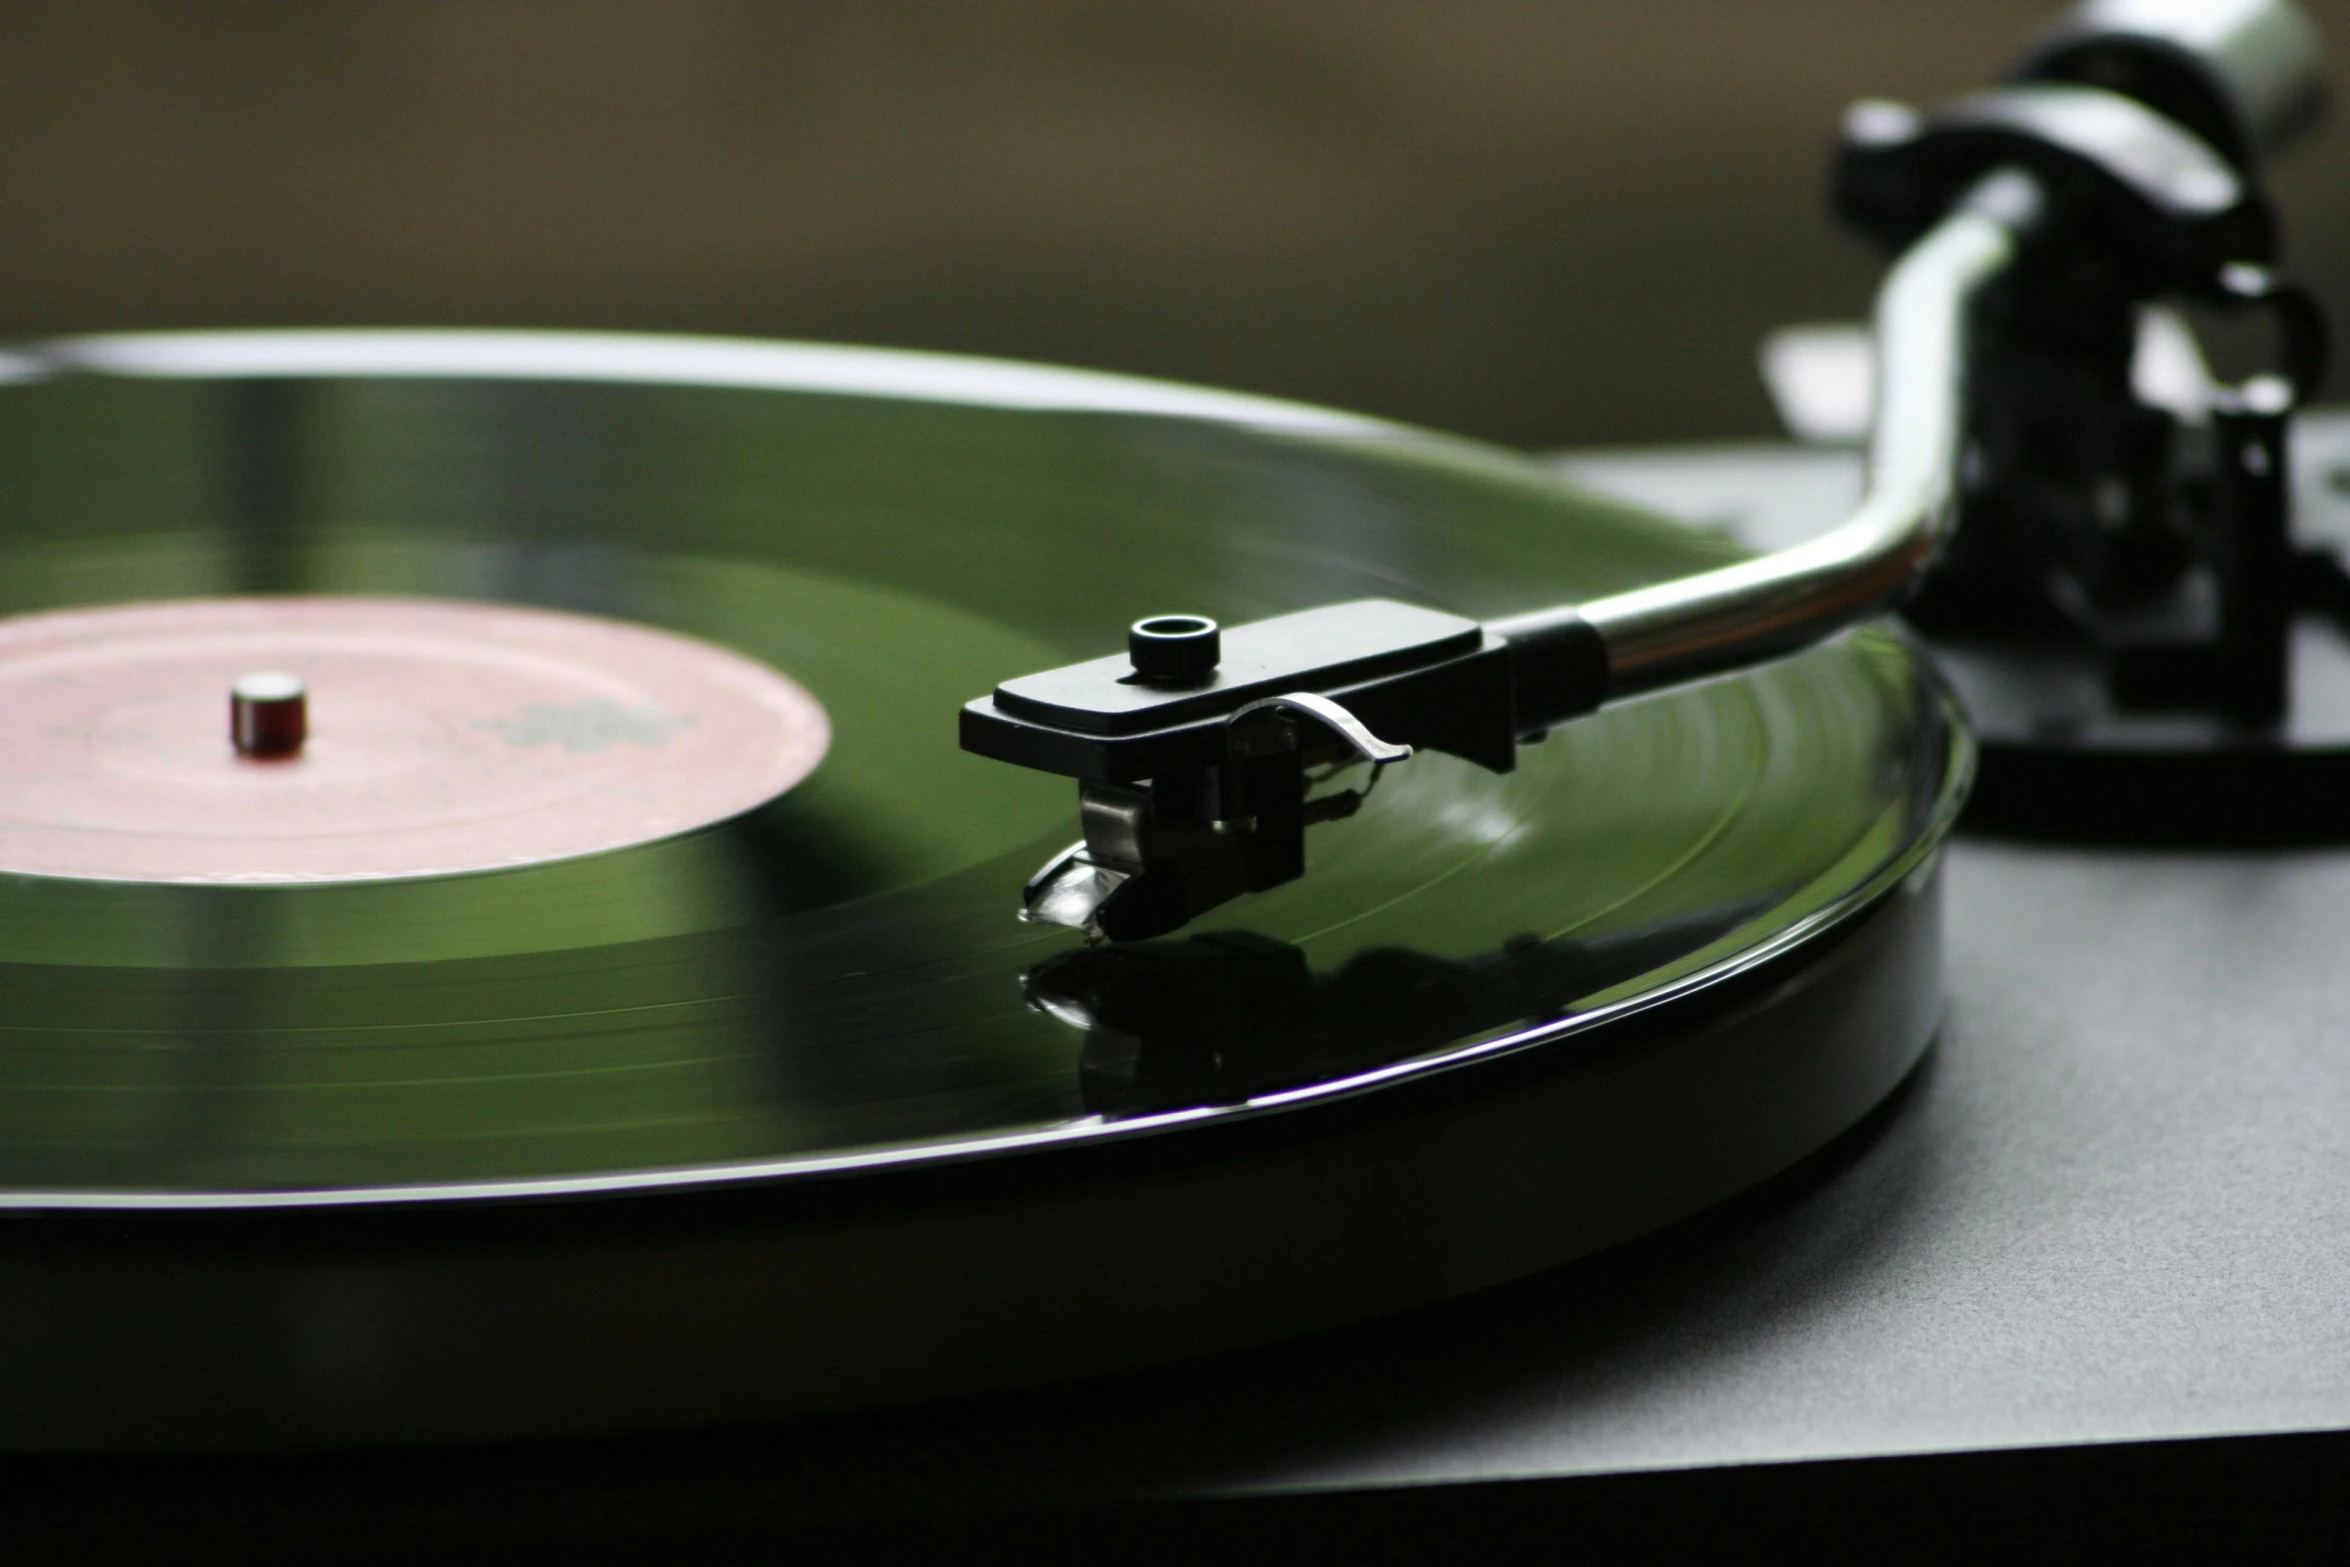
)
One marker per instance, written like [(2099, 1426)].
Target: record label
[(440, 738)]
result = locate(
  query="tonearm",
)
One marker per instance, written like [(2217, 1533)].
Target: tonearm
[(2032, 223)]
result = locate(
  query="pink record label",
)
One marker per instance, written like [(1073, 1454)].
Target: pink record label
[(441, 737)]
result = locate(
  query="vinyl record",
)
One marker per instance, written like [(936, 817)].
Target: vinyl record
[(778, 1106)]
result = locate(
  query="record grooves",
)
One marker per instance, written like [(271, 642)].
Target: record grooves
[(787, 1110)]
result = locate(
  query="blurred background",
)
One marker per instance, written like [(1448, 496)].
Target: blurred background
[(1545, 222)]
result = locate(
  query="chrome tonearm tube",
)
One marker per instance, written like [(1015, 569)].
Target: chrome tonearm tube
[(2032, 225), (1692, 627)]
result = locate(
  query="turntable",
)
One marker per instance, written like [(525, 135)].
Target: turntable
[(509, 940)]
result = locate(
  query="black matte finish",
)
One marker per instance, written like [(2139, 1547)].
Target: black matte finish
[(1313, 649), (1417, 676)]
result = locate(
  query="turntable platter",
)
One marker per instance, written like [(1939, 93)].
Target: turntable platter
[(797, 1065)]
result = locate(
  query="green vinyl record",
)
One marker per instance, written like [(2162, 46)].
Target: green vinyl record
[(833, 988)]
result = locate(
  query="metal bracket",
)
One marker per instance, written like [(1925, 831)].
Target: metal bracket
[(1331, 716)]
